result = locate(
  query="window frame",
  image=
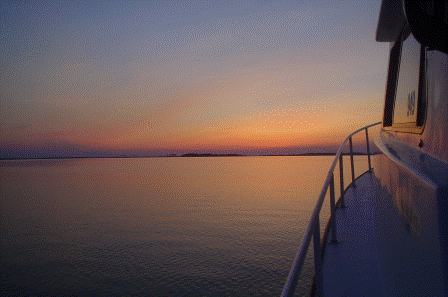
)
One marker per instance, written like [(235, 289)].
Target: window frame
[(418, 126)]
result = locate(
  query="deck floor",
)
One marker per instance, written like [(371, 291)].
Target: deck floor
[(350, 267)]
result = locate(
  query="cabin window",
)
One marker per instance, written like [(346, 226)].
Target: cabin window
[(405, 94)]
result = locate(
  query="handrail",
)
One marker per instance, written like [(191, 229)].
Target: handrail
[(313, 229)]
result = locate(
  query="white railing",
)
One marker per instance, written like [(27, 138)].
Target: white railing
[(313, 229)]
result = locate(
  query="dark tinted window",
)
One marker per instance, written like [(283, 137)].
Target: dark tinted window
[(405, 94)]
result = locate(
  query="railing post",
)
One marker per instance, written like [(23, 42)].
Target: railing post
[(317, 260), (341, 179), (352, 163), (334, 238), (368, 149)]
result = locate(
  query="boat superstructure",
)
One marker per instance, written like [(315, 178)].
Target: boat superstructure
[(387, 235)]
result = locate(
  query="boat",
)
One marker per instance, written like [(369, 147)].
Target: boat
[(388, 232)]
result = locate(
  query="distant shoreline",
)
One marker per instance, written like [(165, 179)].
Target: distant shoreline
[(210, 155), (269, 155), (188, 155)]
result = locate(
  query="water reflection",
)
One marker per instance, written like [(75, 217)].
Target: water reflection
[(158, 226)]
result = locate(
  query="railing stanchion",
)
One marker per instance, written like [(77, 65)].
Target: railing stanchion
[(334, 238), (368, 149), (341, 180), (351, 161), (317, 260)]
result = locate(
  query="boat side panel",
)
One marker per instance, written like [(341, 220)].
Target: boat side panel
[(435, 136), (409, 226)]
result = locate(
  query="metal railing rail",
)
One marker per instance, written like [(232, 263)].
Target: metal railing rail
[(313, 229)]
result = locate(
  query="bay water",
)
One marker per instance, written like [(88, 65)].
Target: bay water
[(208, 226)]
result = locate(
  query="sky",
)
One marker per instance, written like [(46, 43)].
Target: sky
[(151, 78)]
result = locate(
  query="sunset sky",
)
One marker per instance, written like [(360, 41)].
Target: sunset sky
[(158, 77)]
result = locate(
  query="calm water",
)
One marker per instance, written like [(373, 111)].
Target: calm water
[(227, 226)]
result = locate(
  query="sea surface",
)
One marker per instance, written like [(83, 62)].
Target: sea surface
[(209, 226)]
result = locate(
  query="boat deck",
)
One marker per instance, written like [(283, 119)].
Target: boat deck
[(350, 266)]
